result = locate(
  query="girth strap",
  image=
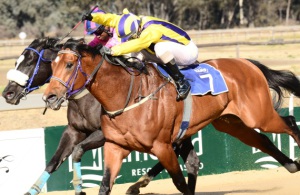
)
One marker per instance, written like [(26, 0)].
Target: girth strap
[(187, 110)]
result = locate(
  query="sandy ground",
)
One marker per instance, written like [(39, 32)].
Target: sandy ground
[(274, 182), (32, 118)]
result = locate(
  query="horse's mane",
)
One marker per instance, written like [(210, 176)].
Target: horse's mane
[(45, 43), (82, 48)]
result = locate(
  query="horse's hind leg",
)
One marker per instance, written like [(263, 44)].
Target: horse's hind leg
[(291, 122), (278, 124), (192, 162), (93, 141), (236, 128)]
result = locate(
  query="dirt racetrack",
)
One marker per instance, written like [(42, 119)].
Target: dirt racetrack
[(273, 182)]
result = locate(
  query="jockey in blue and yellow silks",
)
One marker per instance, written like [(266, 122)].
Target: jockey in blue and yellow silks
[(160, 41)]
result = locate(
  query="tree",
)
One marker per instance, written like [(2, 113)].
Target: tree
[(288, 12), (58, 17)]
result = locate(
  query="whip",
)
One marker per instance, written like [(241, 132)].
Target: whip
[(76, 26)]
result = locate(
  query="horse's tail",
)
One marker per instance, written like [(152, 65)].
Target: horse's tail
[(278, 80)]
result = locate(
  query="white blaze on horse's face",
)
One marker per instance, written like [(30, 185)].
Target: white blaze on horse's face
[(16, 75), (56, 59), (19, 61)]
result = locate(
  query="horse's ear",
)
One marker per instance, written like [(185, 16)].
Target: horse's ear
[(82, 41)]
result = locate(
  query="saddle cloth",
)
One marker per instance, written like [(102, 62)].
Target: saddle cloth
[(203, 79)]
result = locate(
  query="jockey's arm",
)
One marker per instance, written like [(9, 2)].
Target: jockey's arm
[(108, 19), (135, 45)]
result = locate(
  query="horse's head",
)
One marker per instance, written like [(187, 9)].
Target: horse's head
[(68, 77), (32, 69)]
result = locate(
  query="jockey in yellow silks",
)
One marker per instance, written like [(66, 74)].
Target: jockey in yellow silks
[(159, 41)]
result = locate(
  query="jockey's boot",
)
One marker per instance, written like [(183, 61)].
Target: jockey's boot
[(183, 86)]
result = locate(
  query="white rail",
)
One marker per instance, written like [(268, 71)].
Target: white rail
[(33, 101)]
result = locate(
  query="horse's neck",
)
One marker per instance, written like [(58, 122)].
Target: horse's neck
[(84, 113), (113, 83), (85, 104)]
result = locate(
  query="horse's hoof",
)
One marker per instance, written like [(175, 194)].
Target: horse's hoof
[(133, 190), (80, 193), (297, 162)]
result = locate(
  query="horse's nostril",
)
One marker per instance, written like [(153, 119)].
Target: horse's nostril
[(52, 98), (9, 95)]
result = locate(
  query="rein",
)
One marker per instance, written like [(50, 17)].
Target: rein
[(74, 74)]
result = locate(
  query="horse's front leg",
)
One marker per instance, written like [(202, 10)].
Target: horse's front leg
[(113, 157), (93, 141), (167, 157), (64, 149), (145, 179)]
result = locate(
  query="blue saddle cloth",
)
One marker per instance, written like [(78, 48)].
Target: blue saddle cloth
[(203, 79)]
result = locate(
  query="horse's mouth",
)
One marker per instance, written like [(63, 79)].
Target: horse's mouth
[(54, 106), (54, 103), (12, 98)]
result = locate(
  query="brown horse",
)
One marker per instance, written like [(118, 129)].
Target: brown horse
[(140, 111), (83, 131)]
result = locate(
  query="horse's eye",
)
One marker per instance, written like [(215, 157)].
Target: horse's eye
[(69, 64)]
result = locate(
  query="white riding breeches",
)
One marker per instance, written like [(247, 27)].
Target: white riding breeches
[(182, 54)]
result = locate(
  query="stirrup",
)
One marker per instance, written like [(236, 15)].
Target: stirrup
[(181, 95), (183, 88)]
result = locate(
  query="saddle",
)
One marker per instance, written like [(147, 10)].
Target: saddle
[(126, 62)]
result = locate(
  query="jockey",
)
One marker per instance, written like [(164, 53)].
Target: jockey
[(104, 35), (159, 41)]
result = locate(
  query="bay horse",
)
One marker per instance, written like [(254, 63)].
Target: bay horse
[(83, 131), (140, 111)]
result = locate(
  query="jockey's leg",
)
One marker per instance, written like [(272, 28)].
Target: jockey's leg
[(183, 86)]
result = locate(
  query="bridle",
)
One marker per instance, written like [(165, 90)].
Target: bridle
[(28, 87), (23, 79), (71, 81), (73, 77)]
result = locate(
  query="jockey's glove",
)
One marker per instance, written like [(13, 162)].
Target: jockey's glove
[(87, 16)]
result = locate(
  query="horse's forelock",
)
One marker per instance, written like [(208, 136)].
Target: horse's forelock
[(72, 43), (84, 48)]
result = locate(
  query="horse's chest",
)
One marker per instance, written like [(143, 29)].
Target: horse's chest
[(126, 137)]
